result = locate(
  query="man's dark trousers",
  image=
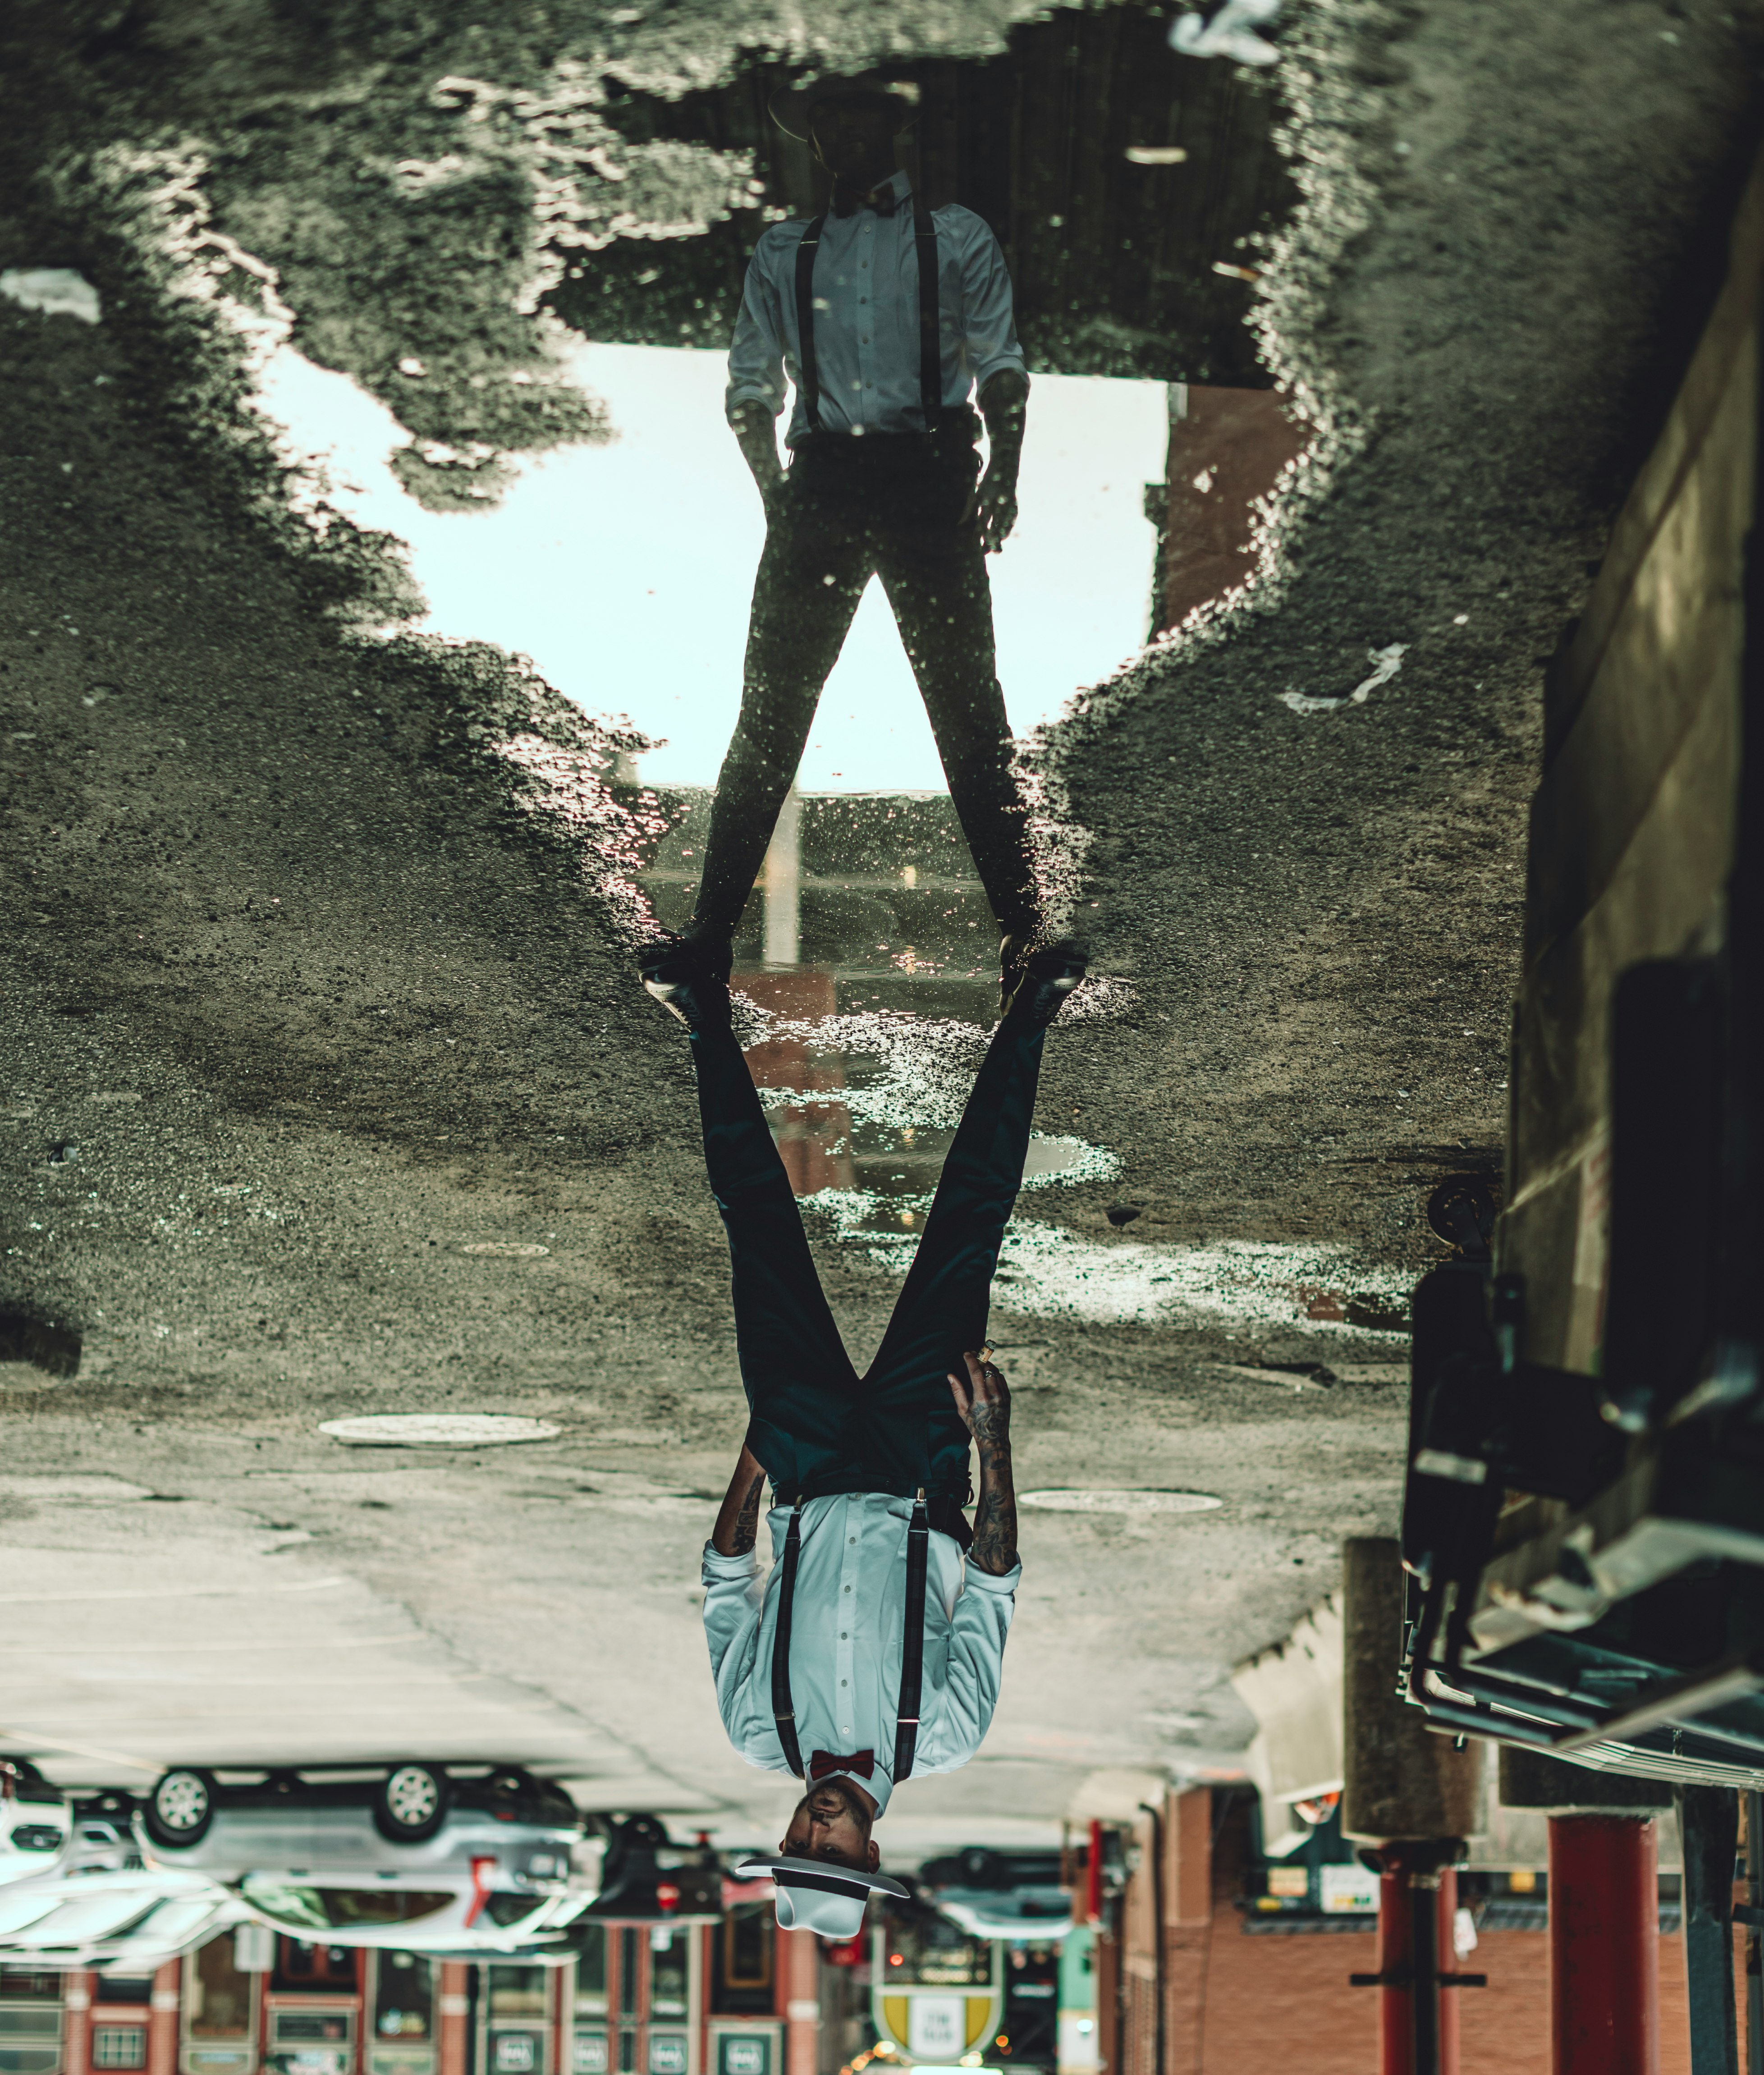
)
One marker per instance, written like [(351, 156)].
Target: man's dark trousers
[(888, 504), (816, 1425)]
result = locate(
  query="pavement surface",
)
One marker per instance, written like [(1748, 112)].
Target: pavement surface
[(315, 962)]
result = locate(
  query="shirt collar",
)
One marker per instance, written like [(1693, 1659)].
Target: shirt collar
[(878, 1786), (899, 186)]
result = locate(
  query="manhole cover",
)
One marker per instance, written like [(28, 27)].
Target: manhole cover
[(1120, 1501), (437, 1429)]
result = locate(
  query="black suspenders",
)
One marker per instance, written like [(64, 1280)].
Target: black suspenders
[(810, 380), (783, 1708), (930, 345), (906, 1717), (906, 1710)]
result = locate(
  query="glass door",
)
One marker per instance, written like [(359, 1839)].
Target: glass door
[(402, 2028)]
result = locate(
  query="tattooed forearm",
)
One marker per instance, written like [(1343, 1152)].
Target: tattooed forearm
[(990, 1424), (746, 1526), (983, 1401), (995, 1518), (737, 1518)]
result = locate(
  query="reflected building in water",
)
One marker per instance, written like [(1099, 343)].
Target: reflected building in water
[(868, 912), (1128, 186), (1119, 177)]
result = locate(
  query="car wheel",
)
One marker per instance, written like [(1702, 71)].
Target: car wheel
[(412, 1804), (181, 1807)]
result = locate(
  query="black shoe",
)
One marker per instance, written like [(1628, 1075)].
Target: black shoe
[(1012, 949), (691, 980), (1049, 976)]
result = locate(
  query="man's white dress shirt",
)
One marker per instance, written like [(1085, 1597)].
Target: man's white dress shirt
[(866, 318), (846, 1627)]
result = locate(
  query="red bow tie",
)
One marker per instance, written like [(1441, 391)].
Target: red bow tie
[(824, 1761)]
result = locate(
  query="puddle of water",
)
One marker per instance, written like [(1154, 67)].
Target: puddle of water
[(625, 569), (867, 960), (623, 564), (1046, 1272), (437, 1429), (1081, 1500)]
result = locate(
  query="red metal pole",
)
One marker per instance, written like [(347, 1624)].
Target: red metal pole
[(1605, 1938), (162, 2051), (1417, 1907), (76, 2000), (801, 1959)]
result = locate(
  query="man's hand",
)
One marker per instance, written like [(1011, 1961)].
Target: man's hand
[(992, 503), (754, 427), (737, 1518), (1003, 404), (983, 1401)]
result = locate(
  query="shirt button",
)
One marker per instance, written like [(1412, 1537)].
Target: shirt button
[(853, 1540), (842, 1638), (845, 1682), (848, 1589)]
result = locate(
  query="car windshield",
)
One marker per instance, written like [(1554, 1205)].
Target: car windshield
[(503, 1910), (339, 1908)]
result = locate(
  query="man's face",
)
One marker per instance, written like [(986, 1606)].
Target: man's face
[(831, 1823), (856, 139)]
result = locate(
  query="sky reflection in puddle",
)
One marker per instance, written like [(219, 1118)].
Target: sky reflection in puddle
[(624, 569)]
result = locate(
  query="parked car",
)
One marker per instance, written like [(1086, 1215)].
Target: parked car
[(415, 1856), (1001, 1895), (126, 1922), (46, 1830), (36, 1821)]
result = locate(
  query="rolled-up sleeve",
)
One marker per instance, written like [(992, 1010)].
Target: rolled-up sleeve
[(989, 341), (757, 351), (734, 1603), (973, 1668)]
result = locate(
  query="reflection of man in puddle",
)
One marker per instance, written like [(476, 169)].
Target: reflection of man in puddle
[(888, 317), (873, 1648)]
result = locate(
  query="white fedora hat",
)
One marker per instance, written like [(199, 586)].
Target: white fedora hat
[(819, 1895)]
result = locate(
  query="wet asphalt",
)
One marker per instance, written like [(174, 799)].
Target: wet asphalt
[(309, 985)]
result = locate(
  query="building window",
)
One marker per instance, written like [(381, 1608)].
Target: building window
[(743, 1983), (219, 1997), (322, 1969), (119, 2046), (591, 1970), (518, 1991), (125, 1988), (404, 1997)]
